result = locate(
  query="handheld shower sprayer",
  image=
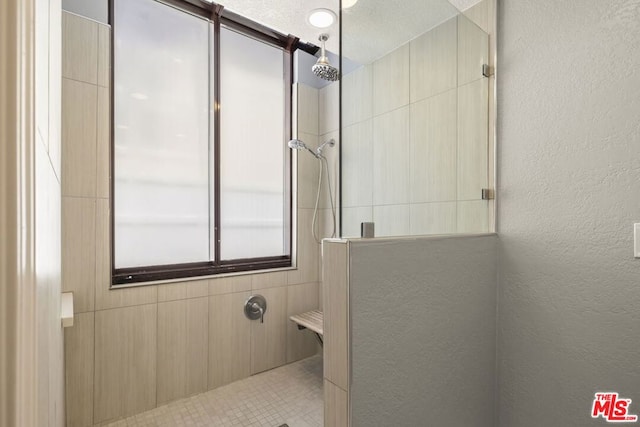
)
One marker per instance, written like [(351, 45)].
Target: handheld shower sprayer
[(296, 144)]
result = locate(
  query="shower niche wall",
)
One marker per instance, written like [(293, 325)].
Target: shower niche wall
[(416, 151)]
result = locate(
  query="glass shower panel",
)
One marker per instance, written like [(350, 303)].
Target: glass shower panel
[(415, 125), (161, 165), (253, 148)]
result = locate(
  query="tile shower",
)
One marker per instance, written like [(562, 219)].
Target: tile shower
[(415, 153), (291, 394), (134, 349)]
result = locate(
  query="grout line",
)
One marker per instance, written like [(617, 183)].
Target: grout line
[(155, 404), (456, 178), (408, 166), (81, 81), (64, 196)]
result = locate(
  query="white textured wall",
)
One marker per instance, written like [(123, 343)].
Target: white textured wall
[(423, 317), (569, 168)]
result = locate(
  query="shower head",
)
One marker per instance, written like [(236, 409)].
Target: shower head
[(322, 67), (296, 144)]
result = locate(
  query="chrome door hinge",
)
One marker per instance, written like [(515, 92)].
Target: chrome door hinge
[(487, 194)]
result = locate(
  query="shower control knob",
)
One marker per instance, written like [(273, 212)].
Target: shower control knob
[(255, 307)]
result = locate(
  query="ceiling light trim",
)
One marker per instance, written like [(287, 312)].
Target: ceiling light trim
[(322, 18)]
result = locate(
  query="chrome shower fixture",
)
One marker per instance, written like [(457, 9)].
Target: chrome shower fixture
[(330, 143), (297, 144), (323, 68)]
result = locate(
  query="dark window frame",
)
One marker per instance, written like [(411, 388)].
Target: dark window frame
[(218, 16)]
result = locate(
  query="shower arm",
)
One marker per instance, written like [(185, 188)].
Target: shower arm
[(316, 154), (331, 143), (323, 54)]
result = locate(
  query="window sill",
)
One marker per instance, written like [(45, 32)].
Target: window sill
[(198, 278)]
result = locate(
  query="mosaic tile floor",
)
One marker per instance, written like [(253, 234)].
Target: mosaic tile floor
[(291, 394)]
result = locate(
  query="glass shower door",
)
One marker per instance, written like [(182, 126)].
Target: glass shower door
[(415, 153)]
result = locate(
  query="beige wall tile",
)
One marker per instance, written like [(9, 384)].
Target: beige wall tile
[(268, 280), (78, 350), (472, 139), (125, 361), (391, 81), (104, 55), (78, 251), (391, 220), (112, 298), (229, 339), (479, 14), (103, 144), (106, 298), (326, 224), (79, 48), (473, 50), (473, 216), (357, 164), (269, 339), (433, 218), (433, 148), (55, 96), (197, 288), (172, 292), (41, 72), (307, 103), (55, 90), (228, 285), (329, 108), (79, 113), (391, 158), (336, 326), (357, 95), (353, 217), (307, 168), (300, 299), (336, 404), (332, 169), (182, 348), (183, 290), (307, 251), (434, 61)]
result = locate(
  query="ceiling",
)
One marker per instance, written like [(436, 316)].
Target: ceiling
[(288, 17), (372, 28)]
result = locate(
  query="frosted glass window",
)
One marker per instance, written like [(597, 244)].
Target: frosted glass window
[(188, 158), (253, 208), (161, 130)]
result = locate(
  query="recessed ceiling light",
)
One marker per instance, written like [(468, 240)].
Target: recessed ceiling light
[(346, 4), (322, 18)]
